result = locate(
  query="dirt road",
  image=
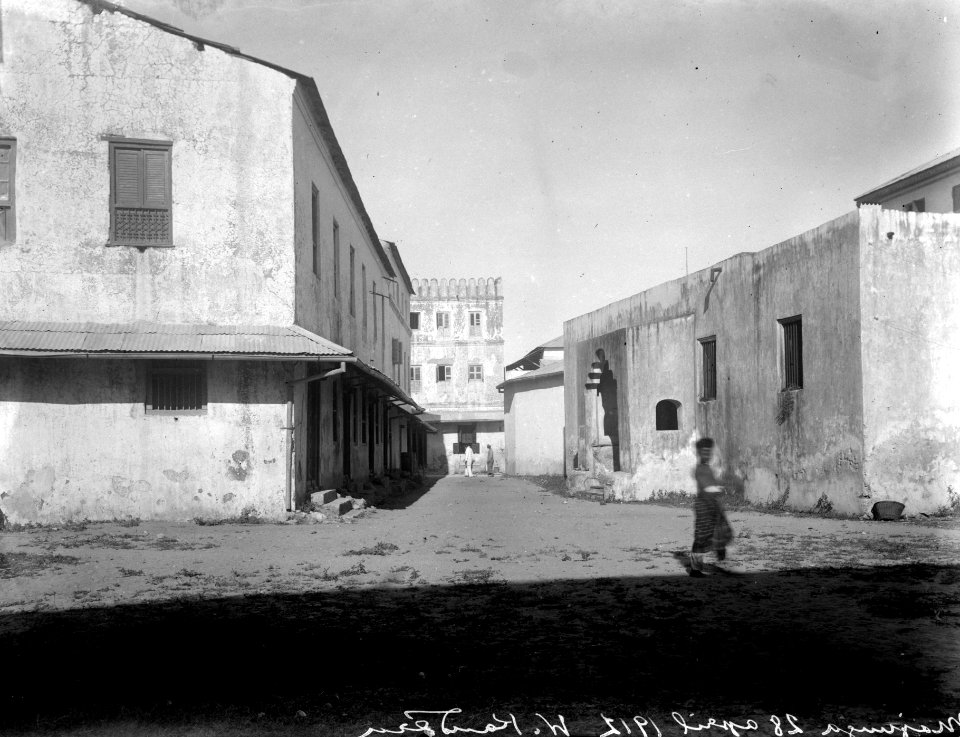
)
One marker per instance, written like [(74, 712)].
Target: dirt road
[(486, 594)]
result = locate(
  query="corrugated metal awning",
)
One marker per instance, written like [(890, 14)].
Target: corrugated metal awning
[(164, 340)]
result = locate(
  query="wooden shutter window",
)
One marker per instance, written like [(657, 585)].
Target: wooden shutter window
[(8, 160), (141, 194)]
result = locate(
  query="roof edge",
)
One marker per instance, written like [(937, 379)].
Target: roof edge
[(909, 179)]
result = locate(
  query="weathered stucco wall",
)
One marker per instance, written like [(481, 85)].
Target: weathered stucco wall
[(651, 342), (77, 443), (910, 282), (77, 77), (533, 426)]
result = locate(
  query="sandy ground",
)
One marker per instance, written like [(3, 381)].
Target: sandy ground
[(488, 594)]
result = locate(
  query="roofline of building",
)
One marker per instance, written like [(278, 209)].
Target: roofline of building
[(160, 355), (540, 373), (909, 180), (400, 265), (313, 98)]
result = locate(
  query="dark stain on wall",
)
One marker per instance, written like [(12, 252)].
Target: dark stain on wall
[(239, 465)]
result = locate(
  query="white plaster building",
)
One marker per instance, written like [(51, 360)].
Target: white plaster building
[(456, 363), (197, 317), (823, 366), (533, 412)]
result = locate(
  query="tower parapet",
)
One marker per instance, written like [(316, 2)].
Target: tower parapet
[(475, 288)]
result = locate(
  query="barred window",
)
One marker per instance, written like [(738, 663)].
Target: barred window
[(140, 193), (708, 387), (176, 388), (475, 372), (792, 352)]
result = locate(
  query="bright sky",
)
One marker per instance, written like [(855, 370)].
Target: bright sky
[(579, 148)]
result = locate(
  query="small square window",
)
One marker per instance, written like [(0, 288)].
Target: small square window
[(475, 372), (792, 330), (176, 388), (140, 194), (415, 320)]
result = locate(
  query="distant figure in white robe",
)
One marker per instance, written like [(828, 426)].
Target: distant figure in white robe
[(468, 461)]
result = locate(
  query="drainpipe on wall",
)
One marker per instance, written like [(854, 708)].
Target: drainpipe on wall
[(290, 454)]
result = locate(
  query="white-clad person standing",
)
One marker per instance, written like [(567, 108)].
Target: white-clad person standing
[(468, 461)]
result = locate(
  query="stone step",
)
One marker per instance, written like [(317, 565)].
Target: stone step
[(323, 497), (337, 507)]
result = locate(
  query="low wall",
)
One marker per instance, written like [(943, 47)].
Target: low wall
[(77, 443)]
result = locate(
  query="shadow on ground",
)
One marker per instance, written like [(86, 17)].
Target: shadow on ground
[(411, 497), (815, 642)]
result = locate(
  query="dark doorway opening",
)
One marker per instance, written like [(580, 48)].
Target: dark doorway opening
[(313, 433), (347, 434)]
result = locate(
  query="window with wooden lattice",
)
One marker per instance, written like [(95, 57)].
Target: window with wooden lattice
[(8, 163), (140, 193)]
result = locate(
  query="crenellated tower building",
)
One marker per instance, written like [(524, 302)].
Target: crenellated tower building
[(456, 363)]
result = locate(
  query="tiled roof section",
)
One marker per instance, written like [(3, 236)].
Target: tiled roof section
[(933, 168), (554, 368), (310, 90), (164, 338)]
